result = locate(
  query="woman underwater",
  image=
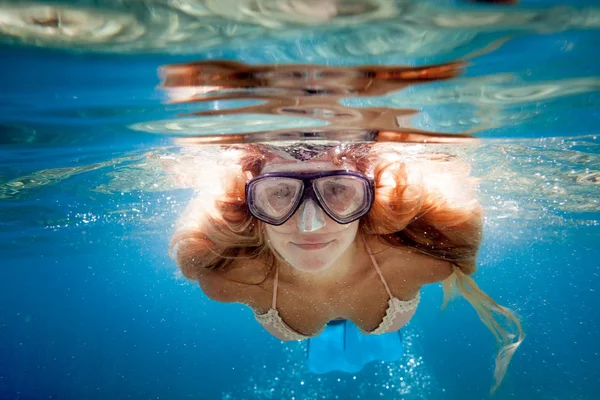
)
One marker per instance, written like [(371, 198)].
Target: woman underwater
[(309, 234)]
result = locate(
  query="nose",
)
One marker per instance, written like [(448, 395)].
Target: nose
[(310, 217)]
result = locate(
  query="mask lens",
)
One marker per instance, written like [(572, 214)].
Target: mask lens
[(274, 198), (344, 196)]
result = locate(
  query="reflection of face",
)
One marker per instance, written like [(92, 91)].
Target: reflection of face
[(333, 81), (315, 250)]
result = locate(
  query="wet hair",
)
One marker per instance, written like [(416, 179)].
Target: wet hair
[(425, 201)]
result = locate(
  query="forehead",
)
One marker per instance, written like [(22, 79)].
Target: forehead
[(307, 166)]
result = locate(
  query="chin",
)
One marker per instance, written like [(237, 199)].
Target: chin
[(309, 266), (304, 261)]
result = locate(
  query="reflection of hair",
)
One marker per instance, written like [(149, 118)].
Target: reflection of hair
[(424, 201)]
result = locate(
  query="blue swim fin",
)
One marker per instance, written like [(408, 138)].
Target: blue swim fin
[(342, 347)]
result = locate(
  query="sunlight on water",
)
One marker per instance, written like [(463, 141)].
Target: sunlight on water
[(522, 183)]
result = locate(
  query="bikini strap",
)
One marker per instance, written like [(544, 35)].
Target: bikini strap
[(274, 302), (387, 288)]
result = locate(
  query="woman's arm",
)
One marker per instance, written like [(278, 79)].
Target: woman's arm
[(220, 289), (409, 270), (240, 283), (432, 270)]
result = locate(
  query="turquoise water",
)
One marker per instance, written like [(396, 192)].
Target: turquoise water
[(90, 136)]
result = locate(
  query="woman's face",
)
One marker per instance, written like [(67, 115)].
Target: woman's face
[(305, 247)]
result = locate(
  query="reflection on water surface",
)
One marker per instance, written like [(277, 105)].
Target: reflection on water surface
[(313, 92)]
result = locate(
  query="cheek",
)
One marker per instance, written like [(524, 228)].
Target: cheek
[(277, 236), (349, 233), (343, 230), (287, 231), (290, 228), (287, 228)]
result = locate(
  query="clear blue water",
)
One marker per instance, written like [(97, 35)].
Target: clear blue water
[(91, 305)]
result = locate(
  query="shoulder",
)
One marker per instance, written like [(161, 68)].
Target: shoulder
[(407, 266), (426, 269), (240, 283)]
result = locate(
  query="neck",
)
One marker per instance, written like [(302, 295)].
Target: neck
[(341, 269)]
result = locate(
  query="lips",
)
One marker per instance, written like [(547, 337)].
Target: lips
[(312, 246)]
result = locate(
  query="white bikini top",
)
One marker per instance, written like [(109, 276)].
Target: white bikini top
[(398, 313)]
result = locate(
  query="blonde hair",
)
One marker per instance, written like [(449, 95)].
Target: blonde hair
[(426, 201)]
